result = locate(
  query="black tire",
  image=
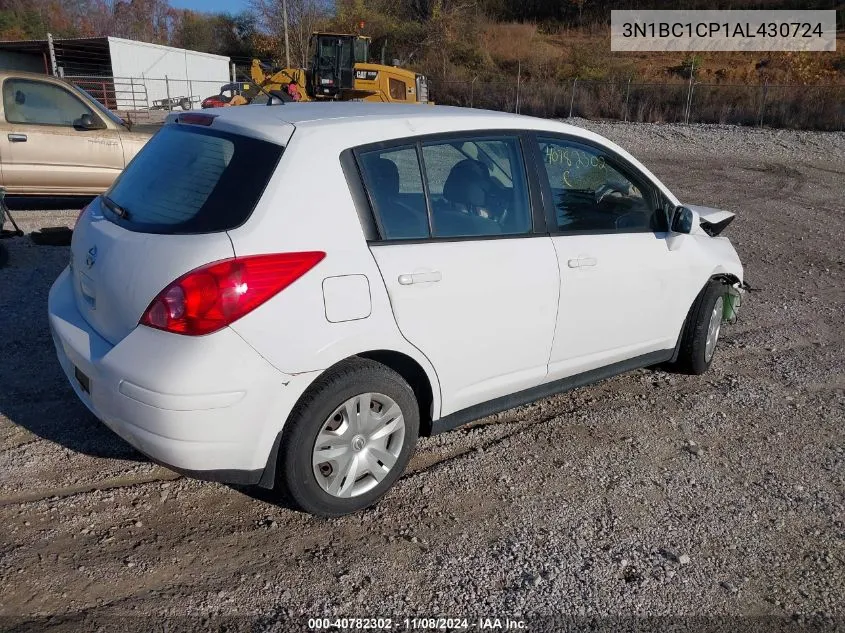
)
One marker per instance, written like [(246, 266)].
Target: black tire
[(691, 355), (295, 477), (185, 104), (52, 236)]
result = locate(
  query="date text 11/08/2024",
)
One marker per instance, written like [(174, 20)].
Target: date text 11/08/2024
[(418, 624)]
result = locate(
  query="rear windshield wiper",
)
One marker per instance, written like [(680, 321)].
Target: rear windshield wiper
[(115, 208)]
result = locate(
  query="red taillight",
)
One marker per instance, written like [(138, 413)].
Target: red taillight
[(215, 295)]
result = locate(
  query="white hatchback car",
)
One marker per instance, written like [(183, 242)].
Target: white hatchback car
[(288, 296)]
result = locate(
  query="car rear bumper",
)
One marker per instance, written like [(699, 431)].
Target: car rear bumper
[(209, 406)]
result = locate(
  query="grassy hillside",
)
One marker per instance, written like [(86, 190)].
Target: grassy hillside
[(585, 53)]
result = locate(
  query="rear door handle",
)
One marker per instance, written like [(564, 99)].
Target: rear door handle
[(581, 262), (17, 138), (420, 278)]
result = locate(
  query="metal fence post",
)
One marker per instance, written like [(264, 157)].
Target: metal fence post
[(689, 91), (518, 78), (689, 105), (627, 96), (572, 99), (764, 92), (52, 49), (472, 90), (167, 88)]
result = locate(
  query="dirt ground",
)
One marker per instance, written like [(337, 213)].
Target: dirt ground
[(649, 500)]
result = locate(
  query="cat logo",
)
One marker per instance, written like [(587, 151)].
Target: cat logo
[(367, 75)]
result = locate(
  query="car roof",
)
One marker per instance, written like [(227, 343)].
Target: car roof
[(388, 114), (383, 121)]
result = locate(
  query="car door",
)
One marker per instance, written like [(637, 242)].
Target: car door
[(470, 271), (621, 293), (43, 152)]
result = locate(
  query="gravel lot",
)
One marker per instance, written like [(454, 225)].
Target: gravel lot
[(651, 500)]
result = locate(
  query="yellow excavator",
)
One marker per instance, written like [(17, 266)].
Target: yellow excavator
[(339, 70)]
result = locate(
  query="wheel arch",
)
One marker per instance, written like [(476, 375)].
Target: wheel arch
[(416, 376), (417, 372), (725, 277), (719, 275), (422, 380)]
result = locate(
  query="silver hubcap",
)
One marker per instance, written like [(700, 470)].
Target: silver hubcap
[(713, 328), (358, 445)]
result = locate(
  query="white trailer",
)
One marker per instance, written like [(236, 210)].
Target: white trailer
[(168, 73)]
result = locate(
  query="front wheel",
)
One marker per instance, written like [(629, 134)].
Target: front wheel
[(349, 439), (702, 329)]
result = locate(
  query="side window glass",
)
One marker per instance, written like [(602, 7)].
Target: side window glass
[(590, 194), (477, 187), (38, 102), (393, 181)]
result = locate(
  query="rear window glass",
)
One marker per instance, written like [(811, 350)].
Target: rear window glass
[(188, 179)]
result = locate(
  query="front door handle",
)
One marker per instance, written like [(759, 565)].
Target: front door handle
[(17, 138), (420, 278)]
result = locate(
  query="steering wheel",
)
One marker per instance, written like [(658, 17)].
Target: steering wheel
[(607, 188)]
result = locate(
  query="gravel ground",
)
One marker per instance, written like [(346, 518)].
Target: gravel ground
[(651, 500)]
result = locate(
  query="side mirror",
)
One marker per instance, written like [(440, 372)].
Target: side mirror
[(681, 220), (87, 122)]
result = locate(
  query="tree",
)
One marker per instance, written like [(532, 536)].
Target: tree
[(144, 20), (304, 17)]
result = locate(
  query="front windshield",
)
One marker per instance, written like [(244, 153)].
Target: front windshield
[(111, 115)]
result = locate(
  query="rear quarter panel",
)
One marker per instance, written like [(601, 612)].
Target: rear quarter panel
[(307, 206)]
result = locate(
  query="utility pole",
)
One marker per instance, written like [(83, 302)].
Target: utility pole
[(287, 45)]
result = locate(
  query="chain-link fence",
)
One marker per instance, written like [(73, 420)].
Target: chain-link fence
[(806, 107)]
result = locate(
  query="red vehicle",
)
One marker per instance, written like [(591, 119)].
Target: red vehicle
[(227, 92), (215, 101)]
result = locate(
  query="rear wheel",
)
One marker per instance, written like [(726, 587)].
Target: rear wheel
[(185, 104), (702, 329), (349, 439)]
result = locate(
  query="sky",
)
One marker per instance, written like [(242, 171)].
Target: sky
[(216, 6)]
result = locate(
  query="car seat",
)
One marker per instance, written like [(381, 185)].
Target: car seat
[(465, 189), (399, 219)]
